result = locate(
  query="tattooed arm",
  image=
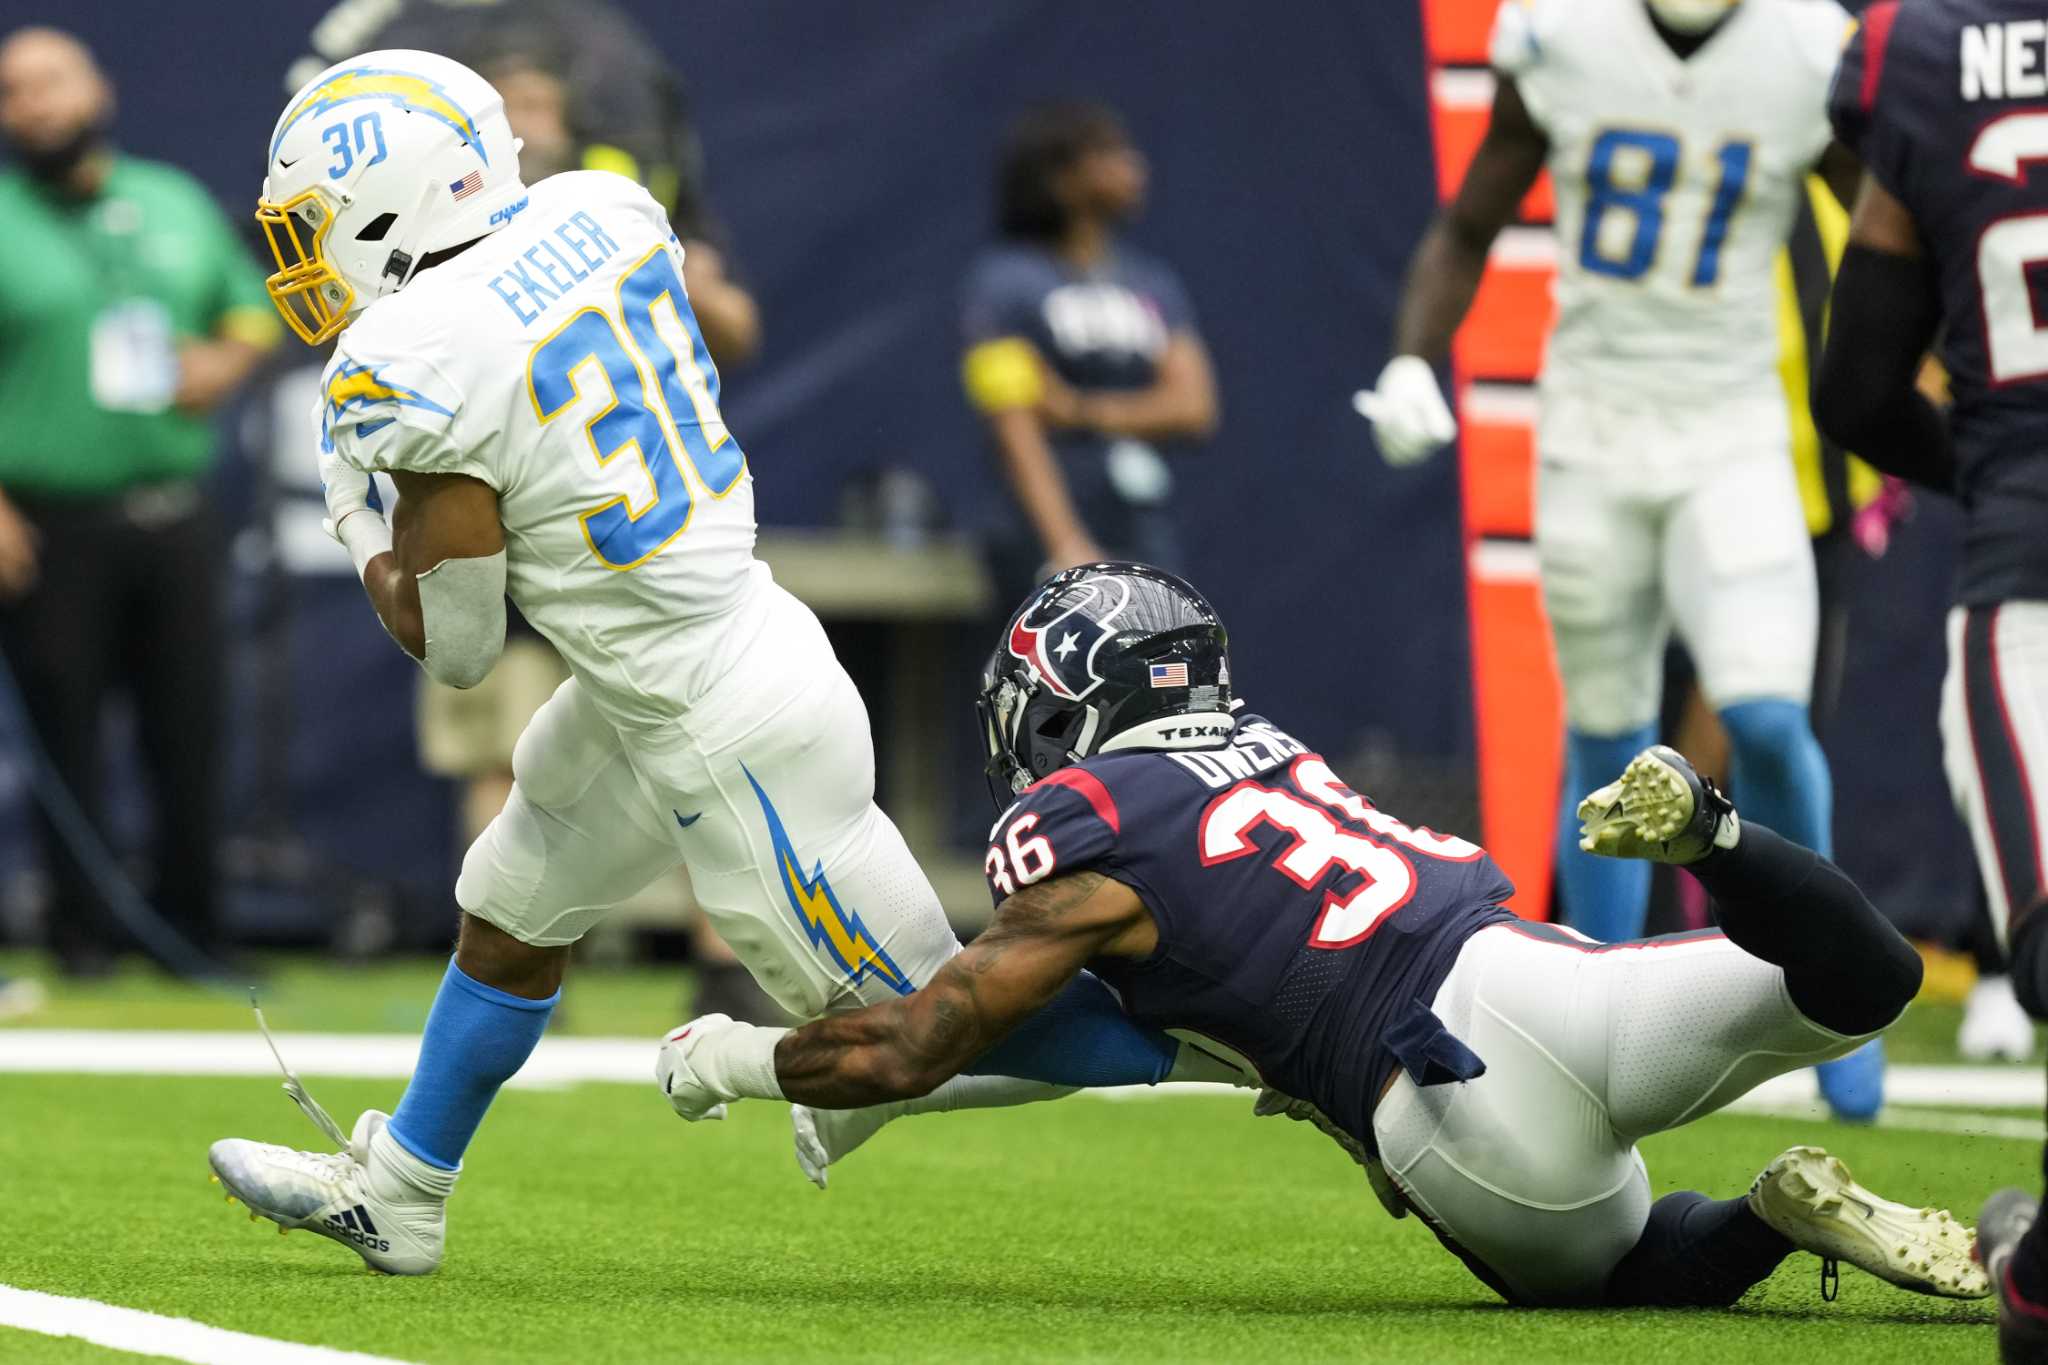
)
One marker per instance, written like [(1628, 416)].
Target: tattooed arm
[(1040, 939)]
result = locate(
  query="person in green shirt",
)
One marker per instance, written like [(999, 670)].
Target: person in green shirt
[(129, 311)]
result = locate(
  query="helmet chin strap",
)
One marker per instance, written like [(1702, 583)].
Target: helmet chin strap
[(1192, 730)]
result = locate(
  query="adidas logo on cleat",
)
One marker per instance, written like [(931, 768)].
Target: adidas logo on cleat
[(355, 1226)]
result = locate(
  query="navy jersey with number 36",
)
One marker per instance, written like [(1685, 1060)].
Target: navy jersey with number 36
[(1298, 924)]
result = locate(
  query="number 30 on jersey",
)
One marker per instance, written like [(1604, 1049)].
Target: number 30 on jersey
[(671, 426)]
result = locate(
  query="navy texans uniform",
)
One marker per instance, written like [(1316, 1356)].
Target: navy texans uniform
[(1946, 101), (1492, 1076), (1299, 926), (1500, 1072)]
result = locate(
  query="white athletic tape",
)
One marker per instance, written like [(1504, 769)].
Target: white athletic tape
[(131, 1329)]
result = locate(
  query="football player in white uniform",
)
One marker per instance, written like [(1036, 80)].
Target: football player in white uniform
[(524, 364), (1678, 135)]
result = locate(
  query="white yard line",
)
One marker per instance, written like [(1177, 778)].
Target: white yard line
[(131, 1329), (630, 1061)]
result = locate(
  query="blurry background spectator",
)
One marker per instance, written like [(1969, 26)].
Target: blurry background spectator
[(1082, 354), (129, 310)]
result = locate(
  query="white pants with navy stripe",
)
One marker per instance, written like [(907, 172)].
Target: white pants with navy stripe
[(1532, 1170), (1994, 744), (764, 789)]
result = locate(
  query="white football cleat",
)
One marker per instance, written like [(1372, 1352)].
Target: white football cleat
[(1660, 809), (1995, 1028), (1810, 1198), (824, 1136), (370, 1198)]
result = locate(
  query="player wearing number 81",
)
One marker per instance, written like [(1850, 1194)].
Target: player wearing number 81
[(1678, 135), (524, 363)]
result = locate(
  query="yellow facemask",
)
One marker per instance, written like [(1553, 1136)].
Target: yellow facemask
[(307, 290)]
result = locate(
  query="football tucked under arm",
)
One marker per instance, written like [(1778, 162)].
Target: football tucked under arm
[(1040, 939)]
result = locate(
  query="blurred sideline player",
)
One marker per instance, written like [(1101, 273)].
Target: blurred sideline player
[(584, 86), (525, 365), (1678, 134), (1947, 105), (1851, 511), (1083, 354), (1494, 1076)]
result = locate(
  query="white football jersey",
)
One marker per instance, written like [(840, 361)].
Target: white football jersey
[(559, 362), (1677, 182)]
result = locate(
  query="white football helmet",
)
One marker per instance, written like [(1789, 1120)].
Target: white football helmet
[(375, 163), (1692, 16)]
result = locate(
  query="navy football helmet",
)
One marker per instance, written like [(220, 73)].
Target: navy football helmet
[(1103, 656)]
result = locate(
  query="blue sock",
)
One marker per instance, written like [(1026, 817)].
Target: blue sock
[(1604, 898), (476, 1037), (1780, 776), (1081, 1037)]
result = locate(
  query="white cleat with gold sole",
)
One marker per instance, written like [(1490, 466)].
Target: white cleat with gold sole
[(1811, 1199), (1660, 809)]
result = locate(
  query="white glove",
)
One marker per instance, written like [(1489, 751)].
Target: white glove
[(713, 1060), (1408, 412), (686, 1092), (346, 488)]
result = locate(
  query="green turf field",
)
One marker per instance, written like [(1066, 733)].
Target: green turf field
[(592, 1226)]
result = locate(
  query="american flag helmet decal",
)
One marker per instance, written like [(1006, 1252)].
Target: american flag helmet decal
[(1170, 675)]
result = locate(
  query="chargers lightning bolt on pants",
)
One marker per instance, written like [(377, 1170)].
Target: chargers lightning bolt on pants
[(765, 790)]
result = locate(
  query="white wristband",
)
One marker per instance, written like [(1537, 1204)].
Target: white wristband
[(365, 535), (738, 1063)]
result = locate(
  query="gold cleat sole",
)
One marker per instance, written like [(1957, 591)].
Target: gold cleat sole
[(1811, 1198), (1648, 805)]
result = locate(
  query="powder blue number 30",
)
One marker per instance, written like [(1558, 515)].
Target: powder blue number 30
[(349, 140), (661, 339), (1645, 203)]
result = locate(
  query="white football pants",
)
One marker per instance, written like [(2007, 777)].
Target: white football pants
[(1647, 516), (1532, 1169), (764, 790)]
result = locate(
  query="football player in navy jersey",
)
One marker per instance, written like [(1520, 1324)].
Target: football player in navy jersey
[(1947, 104), (1494, 1076)]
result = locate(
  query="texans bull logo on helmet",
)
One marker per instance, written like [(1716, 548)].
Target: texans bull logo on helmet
[(1062, 647)]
